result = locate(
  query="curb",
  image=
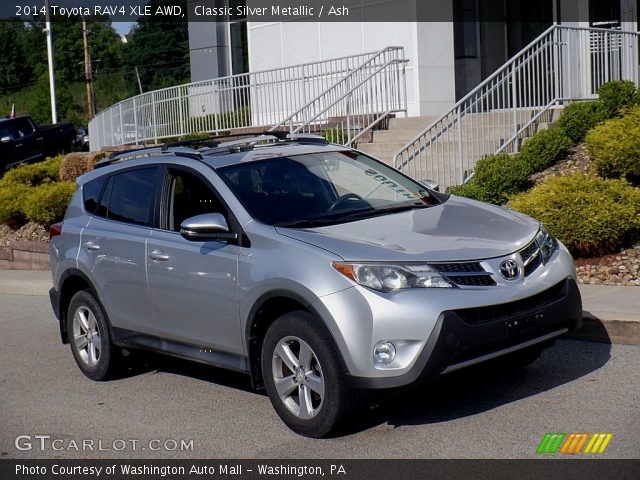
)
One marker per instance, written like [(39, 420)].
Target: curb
[(607, 330)]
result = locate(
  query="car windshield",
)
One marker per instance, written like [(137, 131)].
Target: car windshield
[(322, 189)]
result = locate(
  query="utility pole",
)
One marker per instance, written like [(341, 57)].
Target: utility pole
[(52, 80), (91, 99), (139, 82)]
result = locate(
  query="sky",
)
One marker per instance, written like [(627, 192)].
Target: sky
[(123, 27)]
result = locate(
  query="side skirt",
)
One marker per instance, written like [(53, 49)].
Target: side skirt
[(208, 356)]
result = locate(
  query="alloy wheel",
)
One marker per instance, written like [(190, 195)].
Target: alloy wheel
[(298, 377), (86, 336)]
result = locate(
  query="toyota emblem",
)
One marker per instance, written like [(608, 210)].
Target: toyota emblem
[(509, 269)]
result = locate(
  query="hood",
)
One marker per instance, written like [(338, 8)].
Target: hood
[(457, 230)]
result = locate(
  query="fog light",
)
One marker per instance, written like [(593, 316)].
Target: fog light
[(384, 353)]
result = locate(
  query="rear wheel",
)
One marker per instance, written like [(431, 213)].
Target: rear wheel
[(303, 374), (90, 338)]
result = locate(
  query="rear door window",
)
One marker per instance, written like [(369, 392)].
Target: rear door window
[(131, 197)]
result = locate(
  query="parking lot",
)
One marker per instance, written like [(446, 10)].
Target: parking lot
[(175, 409)]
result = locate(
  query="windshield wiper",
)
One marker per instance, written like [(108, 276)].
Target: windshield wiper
[(369, 212), (382, 211), (307, 222)]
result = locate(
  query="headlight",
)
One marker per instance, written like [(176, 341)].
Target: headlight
[(386, 278), (547, 243)]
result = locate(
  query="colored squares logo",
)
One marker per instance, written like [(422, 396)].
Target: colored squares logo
[(573, 443)]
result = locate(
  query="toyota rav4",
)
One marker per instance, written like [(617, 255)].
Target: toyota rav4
[(311, 267)]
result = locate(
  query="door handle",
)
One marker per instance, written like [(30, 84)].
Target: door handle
[(158, 256), (92, 247)]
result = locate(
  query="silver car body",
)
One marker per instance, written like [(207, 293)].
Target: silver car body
[(161, 291)]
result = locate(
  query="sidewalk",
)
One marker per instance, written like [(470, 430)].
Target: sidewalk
[(611, 314)]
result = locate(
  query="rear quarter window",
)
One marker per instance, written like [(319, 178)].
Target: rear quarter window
[(91, 194)]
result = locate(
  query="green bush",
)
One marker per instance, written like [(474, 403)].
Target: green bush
[(12, 199), (615, 96), (615, 146), (47, 203), (35, 173), (590, 215), (545, 148), (497, 177), (335, 135), (578, 118), (469, 190)]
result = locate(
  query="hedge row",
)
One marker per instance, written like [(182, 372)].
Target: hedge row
[(33, 192), (590, 215), (498, 177)]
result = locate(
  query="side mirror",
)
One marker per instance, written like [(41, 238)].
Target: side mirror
[(430, 184), (6, 139), (210, 226)]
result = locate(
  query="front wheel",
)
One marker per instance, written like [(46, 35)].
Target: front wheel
[(303, 375)]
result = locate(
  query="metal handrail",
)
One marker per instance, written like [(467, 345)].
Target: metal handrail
[(373, 117), (561, 64), (256, 100), (328, 91)]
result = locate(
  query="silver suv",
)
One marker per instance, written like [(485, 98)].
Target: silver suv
[(311, 267)]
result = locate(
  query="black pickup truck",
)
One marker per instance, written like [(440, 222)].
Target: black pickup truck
[(21, 140)]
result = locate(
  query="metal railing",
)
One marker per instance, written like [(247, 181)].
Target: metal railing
[(256, 99), (562, 64), (361, 100)]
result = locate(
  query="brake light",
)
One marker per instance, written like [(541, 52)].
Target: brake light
[(55, 230)]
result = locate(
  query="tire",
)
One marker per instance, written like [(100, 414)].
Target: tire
[(90, 337), (298, 339)]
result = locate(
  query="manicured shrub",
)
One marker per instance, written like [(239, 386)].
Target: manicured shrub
[(75, 164), (545, 148), (47, 203), (615, 146), (12, 199), (590, 215), (35, 173), (615, 96), (469, 190), (578, 118), (500, 176)]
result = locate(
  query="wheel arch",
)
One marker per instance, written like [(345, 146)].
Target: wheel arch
[(71, 282), (267, 308)]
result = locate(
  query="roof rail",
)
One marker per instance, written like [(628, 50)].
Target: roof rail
[(156, 150), (211, 146)]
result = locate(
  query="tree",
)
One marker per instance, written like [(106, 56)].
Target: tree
[(160, 49)]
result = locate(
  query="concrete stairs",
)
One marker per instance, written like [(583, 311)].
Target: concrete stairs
[(480, 134), (386, 143)]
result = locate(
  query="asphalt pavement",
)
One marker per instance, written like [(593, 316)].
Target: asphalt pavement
[(54, 411)]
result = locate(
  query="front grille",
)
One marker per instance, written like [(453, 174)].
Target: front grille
[(473, 281), (503, 311), (467, 267), (531, 258), (465, 274)]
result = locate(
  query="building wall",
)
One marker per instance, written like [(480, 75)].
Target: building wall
[(428, 46)]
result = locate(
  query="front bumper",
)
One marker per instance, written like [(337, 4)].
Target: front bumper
[(464, 337)]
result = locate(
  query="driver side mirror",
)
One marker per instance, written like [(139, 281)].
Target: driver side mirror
[(6, 139), (209, 226)]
